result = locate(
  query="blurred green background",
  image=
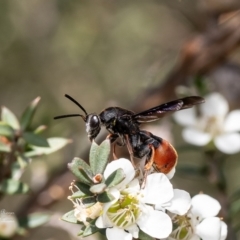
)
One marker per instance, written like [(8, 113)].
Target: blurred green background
[(102, 53)]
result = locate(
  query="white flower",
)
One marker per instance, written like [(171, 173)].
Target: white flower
[(214, 123), (132, 207), (200, 222), (8, 224), (82, 212)]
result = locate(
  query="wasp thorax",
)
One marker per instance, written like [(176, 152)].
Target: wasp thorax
[(93, 125)]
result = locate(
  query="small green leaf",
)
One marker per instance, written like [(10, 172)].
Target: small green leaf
[(84, 188), (88, 201), (115, 178), (93, 157), (86, 174), (80, 233), (35, 140), (6, 130), (10, 118), (144, 236), (4, 147), (16, 170), (54, 143), (12, 186), (89, 230), (78, 194), (40, 129), (105, 197), (34, 220), (23, 161), (79, 167), (69, 217), (29, 113), (98, 188), (101, 157)]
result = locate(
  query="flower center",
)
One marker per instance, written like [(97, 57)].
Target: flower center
[(125, 211), (213, 126), (182, 227)]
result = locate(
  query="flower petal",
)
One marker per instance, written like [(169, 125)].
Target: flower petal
[(156, 224), (223, 230), (194, 237), (186, 117), (205, 206), (209, 229), (127, 167), (196, 137), (232, 121), (134, 230), (158, 189), (117, 234), (133, 186), (215, 105), (180, 203), (228, 143), (171, 173)]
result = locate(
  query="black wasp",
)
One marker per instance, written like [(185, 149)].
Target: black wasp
[(124, 124)]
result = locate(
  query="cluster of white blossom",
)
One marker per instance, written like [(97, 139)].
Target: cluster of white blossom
[(157, 210), (214, 123)]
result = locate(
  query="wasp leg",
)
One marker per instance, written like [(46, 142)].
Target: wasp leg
[(130, 150), (150, 162), (113, 138)]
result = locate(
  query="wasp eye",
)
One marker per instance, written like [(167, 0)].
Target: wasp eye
[(94, 122)]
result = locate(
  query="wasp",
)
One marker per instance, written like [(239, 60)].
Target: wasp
[(125, 124)]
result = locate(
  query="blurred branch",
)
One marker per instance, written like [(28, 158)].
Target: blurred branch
[(198, 56)]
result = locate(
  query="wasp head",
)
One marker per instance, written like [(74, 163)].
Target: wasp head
[(93, 122), (93, 126)]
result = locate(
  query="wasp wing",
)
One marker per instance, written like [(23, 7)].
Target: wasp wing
[(160, 111)]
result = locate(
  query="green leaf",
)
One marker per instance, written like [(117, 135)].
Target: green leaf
[(85, 188), (69, 217), (115, 178), (105, 197), (144, 236), (88, 201), (35, 140), (4, 147), (16, 170), (9, 118), (98, 188), (34, 220), (89, 230), (40, 129), (12, 186), (23, 161), (54, 145), (29, 113), (6, 130), (93, 156), (79, 168), (78, 194), (101, 157)]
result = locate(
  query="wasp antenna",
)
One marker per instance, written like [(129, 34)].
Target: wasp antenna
[(71, 115), (77, 103)]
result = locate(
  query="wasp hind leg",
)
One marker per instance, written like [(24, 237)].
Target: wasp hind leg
[(113, 138)]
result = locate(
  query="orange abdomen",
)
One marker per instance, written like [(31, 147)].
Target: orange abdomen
[(165, 157)]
